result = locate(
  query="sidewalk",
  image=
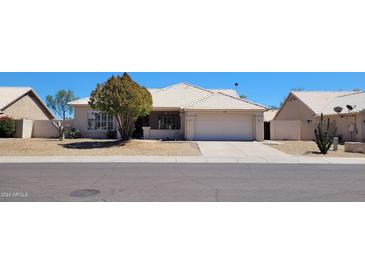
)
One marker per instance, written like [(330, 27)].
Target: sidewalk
[(212, 152), (179, 159)]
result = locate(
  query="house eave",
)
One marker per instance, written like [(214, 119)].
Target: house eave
[(226, 110), (166, 108)]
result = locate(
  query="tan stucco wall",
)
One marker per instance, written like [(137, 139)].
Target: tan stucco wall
[(288, 130), (80, 123), (26, 108), (285, 130), (259, 127), (294, 109), (362, 118), (166, 134), (358, 147), (38, 128), (343, 122), (307, 130), (24, 128), (44, 129)]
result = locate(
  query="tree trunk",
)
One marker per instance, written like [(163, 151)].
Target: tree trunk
[(125, 127)]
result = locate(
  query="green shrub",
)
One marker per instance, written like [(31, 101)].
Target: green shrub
[(111, 134), (7, 127), (72, 133), (324, 135)]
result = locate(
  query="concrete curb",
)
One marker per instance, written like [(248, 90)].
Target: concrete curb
[(179, 159)]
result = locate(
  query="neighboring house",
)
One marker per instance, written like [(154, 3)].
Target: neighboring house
[(299, 115), (32, 115), (23, 103), (184, 112)]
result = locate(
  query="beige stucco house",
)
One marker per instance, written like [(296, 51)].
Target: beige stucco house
[(299, 115), (184, 112), (33, 118)]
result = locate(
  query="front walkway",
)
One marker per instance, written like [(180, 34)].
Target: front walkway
[(212, 152)]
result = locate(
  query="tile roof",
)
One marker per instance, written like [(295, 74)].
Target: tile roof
[(9, 94), (270, 114), (357, 101), (185, 95), (178, 95), (230, 92), (317, 100), (80, 102), (220, 101)]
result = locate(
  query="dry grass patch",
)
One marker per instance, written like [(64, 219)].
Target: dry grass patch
[(309, 148), (54, 147)]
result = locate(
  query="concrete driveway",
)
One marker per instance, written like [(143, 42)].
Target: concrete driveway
[(240, 150)]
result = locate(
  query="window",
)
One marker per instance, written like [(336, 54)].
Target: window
[(99, 121), (168, 122)]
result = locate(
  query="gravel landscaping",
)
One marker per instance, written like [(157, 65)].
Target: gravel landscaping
[(70, 147), (309, 148)]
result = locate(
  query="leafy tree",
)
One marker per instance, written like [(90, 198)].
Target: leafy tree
[(123, 98), (324, 135), (59, 103), (60, 128), (243, 96)]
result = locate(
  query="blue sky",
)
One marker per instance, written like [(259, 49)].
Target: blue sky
[(265, 88)]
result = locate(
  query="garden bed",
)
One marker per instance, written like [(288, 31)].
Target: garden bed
[(309, 148), (69, 147)]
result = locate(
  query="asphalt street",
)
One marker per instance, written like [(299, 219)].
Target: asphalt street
[(181, 182)]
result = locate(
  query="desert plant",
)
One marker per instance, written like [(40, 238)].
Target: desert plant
[(123, 98), (7, 127), (73, 133), (60, 128), (324, 135), (59, 103)]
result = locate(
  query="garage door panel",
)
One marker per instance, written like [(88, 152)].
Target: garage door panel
[(224, 126)]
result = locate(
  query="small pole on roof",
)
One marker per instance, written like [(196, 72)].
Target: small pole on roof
[(241, 96)]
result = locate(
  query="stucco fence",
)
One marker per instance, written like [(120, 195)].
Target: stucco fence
[(358, 147), (26, 128), (293, 130), (304, 130)]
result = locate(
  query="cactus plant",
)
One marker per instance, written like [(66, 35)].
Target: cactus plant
[(324, 135)]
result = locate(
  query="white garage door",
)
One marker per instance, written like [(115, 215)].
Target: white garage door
[(223, 126)]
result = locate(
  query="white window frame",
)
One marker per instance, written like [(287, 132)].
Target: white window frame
[(92, 116), (164, 120)]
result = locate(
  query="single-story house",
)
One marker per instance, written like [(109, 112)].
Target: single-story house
[(300, 113), (33, 118), (183, 112)]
